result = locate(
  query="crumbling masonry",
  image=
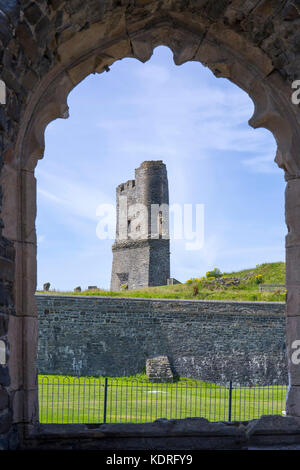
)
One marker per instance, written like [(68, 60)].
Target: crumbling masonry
[(141, 252)]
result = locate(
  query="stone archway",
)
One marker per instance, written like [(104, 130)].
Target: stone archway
[(58, 44)]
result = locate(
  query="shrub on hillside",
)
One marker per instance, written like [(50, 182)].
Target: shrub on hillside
[(213, 274), (195, 290), (258, 279), (194, 280)]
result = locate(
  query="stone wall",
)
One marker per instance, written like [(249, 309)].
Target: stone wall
[(210, 340), (8, 434)]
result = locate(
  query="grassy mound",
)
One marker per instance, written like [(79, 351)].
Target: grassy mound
[(240, 285)]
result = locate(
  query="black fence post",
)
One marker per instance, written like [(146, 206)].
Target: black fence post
[(230, 401), (105, 400)]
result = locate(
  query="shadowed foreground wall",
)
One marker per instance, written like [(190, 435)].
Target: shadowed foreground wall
[(209, 340)]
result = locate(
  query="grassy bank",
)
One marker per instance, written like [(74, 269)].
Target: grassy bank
[(240, 285)]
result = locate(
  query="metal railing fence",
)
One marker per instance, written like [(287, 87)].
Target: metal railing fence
[(100, 400)]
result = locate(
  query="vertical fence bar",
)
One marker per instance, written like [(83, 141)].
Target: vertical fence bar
[(111, 408), (77, 380), (105, 400), (230, 401)]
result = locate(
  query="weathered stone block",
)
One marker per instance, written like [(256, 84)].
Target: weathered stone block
[(3, 324), (292, 266), (5, 422), (27, 41), (15, 352), (293, 348), (5, 30), (293, 301), (4, 376), (158, 369), (3, 399), (293, 401), (33, 13)]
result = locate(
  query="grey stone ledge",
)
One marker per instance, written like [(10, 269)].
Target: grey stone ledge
[(159, 428), (274, 424), (143, 299), (268, 432)]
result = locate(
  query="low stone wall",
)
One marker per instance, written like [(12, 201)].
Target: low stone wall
[(272, 288), (216, 341), (266, 433)]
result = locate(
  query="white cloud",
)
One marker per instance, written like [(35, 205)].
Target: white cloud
[(259, 250), (41, 238), (181, 119), (72, 195), (201, 260), (261, 164), (152, 73), (50, 196)]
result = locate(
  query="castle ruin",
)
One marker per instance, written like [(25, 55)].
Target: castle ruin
[(141, 252)]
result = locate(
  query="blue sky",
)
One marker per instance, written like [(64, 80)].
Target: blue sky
[(198, 125)]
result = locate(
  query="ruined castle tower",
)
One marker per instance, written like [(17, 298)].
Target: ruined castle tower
[(141, 252)]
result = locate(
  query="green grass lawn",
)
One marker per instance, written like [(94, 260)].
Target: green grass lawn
[(210, 289), (134, 399)]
